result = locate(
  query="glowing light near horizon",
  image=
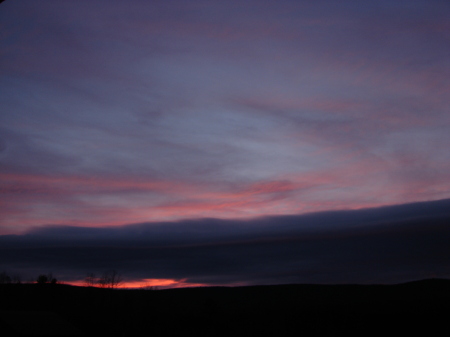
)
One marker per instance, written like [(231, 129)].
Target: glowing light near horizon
[(147, 283)]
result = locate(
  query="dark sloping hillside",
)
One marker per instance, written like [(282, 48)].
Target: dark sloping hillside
[(284, 310)]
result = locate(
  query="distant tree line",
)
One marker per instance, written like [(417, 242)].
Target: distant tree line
[(109, 279), (7, 279)]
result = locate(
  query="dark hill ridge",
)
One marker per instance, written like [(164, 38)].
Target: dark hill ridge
[(282, 310)]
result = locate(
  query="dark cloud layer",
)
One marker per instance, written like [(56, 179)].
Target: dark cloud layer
[(388, 244)]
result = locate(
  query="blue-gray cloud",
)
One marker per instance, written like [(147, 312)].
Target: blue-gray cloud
[(346, 104)]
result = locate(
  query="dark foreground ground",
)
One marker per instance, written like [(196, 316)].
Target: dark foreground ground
[(287, 310)]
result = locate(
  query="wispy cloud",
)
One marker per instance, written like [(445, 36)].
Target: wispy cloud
[(117, 113)]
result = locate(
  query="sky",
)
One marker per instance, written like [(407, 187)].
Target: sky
[(229, 117)]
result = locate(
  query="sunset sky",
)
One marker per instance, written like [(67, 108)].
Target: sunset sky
[(195, 116)]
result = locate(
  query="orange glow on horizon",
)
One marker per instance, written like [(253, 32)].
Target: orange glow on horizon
[(147, 283)]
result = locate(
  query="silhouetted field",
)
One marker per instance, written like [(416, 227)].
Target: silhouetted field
[(283, 310)]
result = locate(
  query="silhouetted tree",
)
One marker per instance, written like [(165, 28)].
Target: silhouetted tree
[(4, 278), (16, 279), (114, 278), (90, 280), (101, 282), (43, 279), (149, 288), (110, 279)]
